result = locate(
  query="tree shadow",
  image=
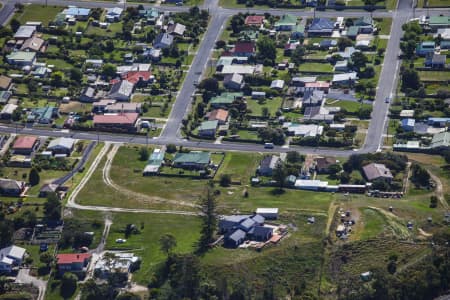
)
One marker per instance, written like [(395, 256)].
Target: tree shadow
[(277, 191)]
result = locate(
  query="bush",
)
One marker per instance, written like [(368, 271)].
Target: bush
[(225, 180), (171, 148)]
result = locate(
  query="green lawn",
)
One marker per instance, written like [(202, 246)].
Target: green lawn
[(434, 76), (273, 105), (439, 3), (384, 25), (349, 106), (241, 166), (373, 223), (38, 13), (185, 229), (315, 67)]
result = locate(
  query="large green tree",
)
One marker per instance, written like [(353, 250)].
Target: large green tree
[(209, 219), (266, 49)]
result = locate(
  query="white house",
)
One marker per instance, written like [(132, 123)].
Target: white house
[(11, 256), (121, 91)]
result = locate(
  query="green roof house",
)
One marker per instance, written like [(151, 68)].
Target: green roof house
[(21, 58), (224, 100), (439, 22), (286, 23), (298, 31), (196, 160), (425, 48), (352, 32), (208, 128), (440, 140)]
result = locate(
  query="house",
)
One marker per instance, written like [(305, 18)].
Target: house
[(139, 78), (11, 188), (298, 32), (262, 233), (435, 61), (72, 262), (258, 95), (304, 130), (117, 263), (43, 115), (438, 122), (176, 29), (21, 58), (444, 33), (33, 44), (300, 81), (121, 91), (347, 53), (436, 22), (116, 108), (61, 145), (4, 96), (313, 98), (424, 48), (10, 257), (327, 44), (94, 63), (321, 27), (286, 23), (48, 188), (440, 140), (341, 66), (5, 83), (268, 164), (25, 145), (375, 171), (445, 45), (239, 69), (208, 128), (318, 85), (80, 14), (277, 84), (230, 223), (7, 111), (124, 122), (235, 239), (268, 213), (256, 21), (220, 115), (100, 106), (408, 124), (113, 14), (224, 100), (197, 160), (244, 48), (233, 81), (154, 162), (344, 79), (163, 40), (24, 32), (87, 95), (150, 14), (323, 164)]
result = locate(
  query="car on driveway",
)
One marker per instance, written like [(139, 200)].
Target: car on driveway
[(387, 100)]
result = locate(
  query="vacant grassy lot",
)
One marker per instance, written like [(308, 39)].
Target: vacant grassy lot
[(434, 76), (438, 3), (273, 105), (384, 25), (145, 244), (349, 106), (315, 67), (38, 13), (241, 166)]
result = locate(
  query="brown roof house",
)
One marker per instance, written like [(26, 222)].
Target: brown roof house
[(25, 145), (220, 115), (5, 83), (10, 187), (33, 44), (323, 164), (375, 171)]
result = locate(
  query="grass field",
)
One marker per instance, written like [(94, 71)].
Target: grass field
[(349, 106), (384, 26), (273, 105), (241, 166), (438, 3), (434, 76), (315, 67), (38, 13)]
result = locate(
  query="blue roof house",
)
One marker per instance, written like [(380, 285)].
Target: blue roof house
[(408, 124), (235, 239), (321, 26)]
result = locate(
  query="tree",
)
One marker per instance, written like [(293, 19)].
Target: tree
[(34, 177), (225, 180), (128, 296), (279, 174), (171, 148), (266, 48), (109, 70), (46, 258), (68, 284), (344, 42), (184, 277), (52, 208), (15, 24), (166, 243), (334, 169), (359, 60), (57, 78), (294, 157), (298, 54), (209, 219), (76, 75), (210, 85), (408, 48), (433, 201), (420, 176), (410, 80), (143, 154), (273, 135)]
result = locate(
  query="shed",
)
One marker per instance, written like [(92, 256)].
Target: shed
[(268, 213)]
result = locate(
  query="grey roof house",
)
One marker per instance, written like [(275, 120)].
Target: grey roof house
[(163, 40), (121, 91), (375, 171), (321, 26)]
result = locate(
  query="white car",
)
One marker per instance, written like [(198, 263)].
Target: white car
[(120, 241)]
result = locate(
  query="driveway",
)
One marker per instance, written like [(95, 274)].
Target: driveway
[(24, 277)]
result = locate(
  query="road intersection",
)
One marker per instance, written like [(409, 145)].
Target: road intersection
[(171, 133)]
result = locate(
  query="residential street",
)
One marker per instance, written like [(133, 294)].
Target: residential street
[(219, 15)]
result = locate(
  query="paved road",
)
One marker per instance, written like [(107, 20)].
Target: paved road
[(81, 163), (219, 15)]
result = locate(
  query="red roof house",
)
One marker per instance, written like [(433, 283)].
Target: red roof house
[(137, 76), (25, 145), (254, 20), (220, 115), (119, 122), (244, 49), (72, 262)]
